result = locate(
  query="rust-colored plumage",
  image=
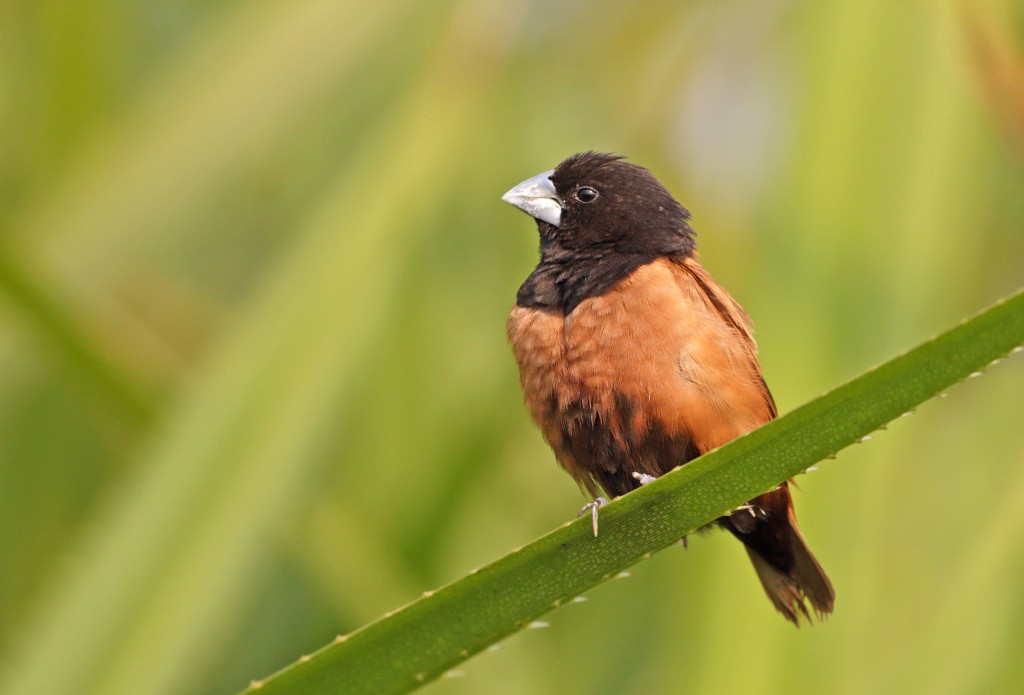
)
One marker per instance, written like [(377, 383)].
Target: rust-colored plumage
[(634, 360)]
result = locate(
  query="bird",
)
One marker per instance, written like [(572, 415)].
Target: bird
[(633, 360)]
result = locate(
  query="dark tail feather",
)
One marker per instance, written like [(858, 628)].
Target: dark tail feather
[(784, 564), (804, 578)]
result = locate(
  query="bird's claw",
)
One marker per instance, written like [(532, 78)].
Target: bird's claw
[(599, 502), (593, 507)]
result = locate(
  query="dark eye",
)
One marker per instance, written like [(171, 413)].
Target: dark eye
[(585, 194)]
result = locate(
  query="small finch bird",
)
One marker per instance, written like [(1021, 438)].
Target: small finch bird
[(634, 361)]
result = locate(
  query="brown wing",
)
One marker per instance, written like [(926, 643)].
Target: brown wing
[(787, 569), (733, 314)]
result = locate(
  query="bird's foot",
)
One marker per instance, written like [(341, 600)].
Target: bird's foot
[(593, 507), (643, 478)]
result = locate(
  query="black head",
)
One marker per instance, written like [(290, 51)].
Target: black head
[(609, 203), (599, 218)]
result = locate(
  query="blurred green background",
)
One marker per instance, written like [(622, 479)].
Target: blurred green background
[(254, 274)]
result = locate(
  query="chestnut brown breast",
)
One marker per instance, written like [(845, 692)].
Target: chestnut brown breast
[(642, 378)]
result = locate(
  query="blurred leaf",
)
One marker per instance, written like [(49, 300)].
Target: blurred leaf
[(158, 578), (77, 347), (999, 65), (247, 80)]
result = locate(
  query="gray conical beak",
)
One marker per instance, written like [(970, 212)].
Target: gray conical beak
[(537, 198)]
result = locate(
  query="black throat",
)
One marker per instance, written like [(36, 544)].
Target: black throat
[(564, 279), (570, 272)]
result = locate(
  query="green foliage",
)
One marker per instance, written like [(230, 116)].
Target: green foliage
[(254, 385)]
